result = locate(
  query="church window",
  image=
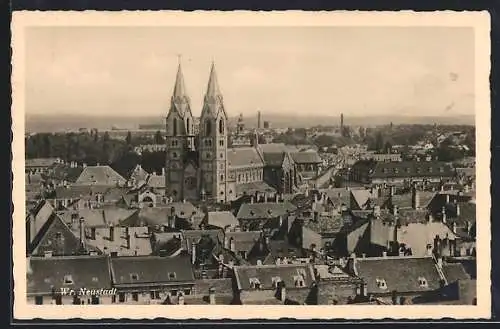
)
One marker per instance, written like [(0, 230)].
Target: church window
[(208, 156), (222, 155), (175, 127), (221, 142), (221, 177), (188, 126), (239, 178), (221, 126), (208, 127)]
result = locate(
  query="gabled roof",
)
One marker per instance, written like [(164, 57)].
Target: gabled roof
[(221, 219), (244, 157), (244, 241), (274, 159), (140, 244), (287, 273), (137, 270), (194, 236), (99, 217), (400, 273), (100, 175), (139, 174), (267, 210), (40, 162), (454, 272), (253, 187), (75, 191), (90, 272), (156, 181)]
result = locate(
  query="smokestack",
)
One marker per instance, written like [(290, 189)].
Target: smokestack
[(82, 233), (211, 295), (111, 233), (259, 120), (232, 245), (282, 291), (193, 252)]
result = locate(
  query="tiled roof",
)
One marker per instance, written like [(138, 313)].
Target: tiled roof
[(139, 174), (151, 270), (277, 148), (253, 187), (326, 224), (100, 175), (244, 157), (221, 286), (140, 244), (221, 219), (454, 272), (362, 196), (306, 157), (405, 216), (408, 169), (244, 241), (400, 273), (159, 215), (89, 272), (87, 192), (266, 210), (265, 273), (405, 200)]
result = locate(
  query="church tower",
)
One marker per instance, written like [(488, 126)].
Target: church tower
[(179, 137), (213, 139)]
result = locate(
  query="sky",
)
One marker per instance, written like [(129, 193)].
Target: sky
[(304, 71)]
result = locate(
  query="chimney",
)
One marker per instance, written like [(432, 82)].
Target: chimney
[(211, 295), (469, 227), (127, 240), (454, 226), (163, 171), (232, 245), (384, 254), (376, 211), (365, 289), (415, 198), (193, 252), (443, 213), (440, 262), (226, 242), (47, 254), (267, 240), (181, 299), (447, 198), (282, 291), (82, 232), (392, 190), (111, 233), (363, 255), (458, 209), (92, 233), (252, 199), (395, 210)]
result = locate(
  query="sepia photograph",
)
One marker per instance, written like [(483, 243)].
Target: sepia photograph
[(296, 165)]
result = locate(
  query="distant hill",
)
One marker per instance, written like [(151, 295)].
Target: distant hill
[(55, 123)]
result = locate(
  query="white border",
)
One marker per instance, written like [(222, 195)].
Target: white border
[(480, 21)]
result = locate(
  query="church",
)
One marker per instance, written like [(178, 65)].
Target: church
[(200, 164)]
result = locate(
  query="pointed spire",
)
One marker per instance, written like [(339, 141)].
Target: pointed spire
[(213, 85), (179, 87)]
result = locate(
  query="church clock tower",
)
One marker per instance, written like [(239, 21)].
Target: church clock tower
[(213, 143), (179, 138)]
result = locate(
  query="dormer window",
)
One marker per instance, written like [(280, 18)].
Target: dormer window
[(422, 282), (430, 169), (407, 169), (172, 275), (381, 284), (134, 276), (95, 279), (254, 283), (441, 169), (275, 281), (396, 170), (68, 279)]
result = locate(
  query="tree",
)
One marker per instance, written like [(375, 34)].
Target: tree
[(128, 139), (158, 138), (387, 147), (105, 137)]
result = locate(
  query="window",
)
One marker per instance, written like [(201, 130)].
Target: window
[(239, 178), (174, 155), (221, 177), (221, 142), (422, 282), (187, 292), (188, 126), (175, 127), (121, 297), (58, 299), (173, 292), (39, 300), (113, 299), (381, 284), (171, 275), (134, 276), (68, 279), (222, 155), (221, 127), (208, 127), (208, 155), (135, 297), (94, 300), (299, 280), (254, 283), (95, 279), (430, 169)]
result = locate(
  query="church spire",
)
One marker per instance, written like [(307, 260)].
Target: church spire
[(179, 87), (213, 85)]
